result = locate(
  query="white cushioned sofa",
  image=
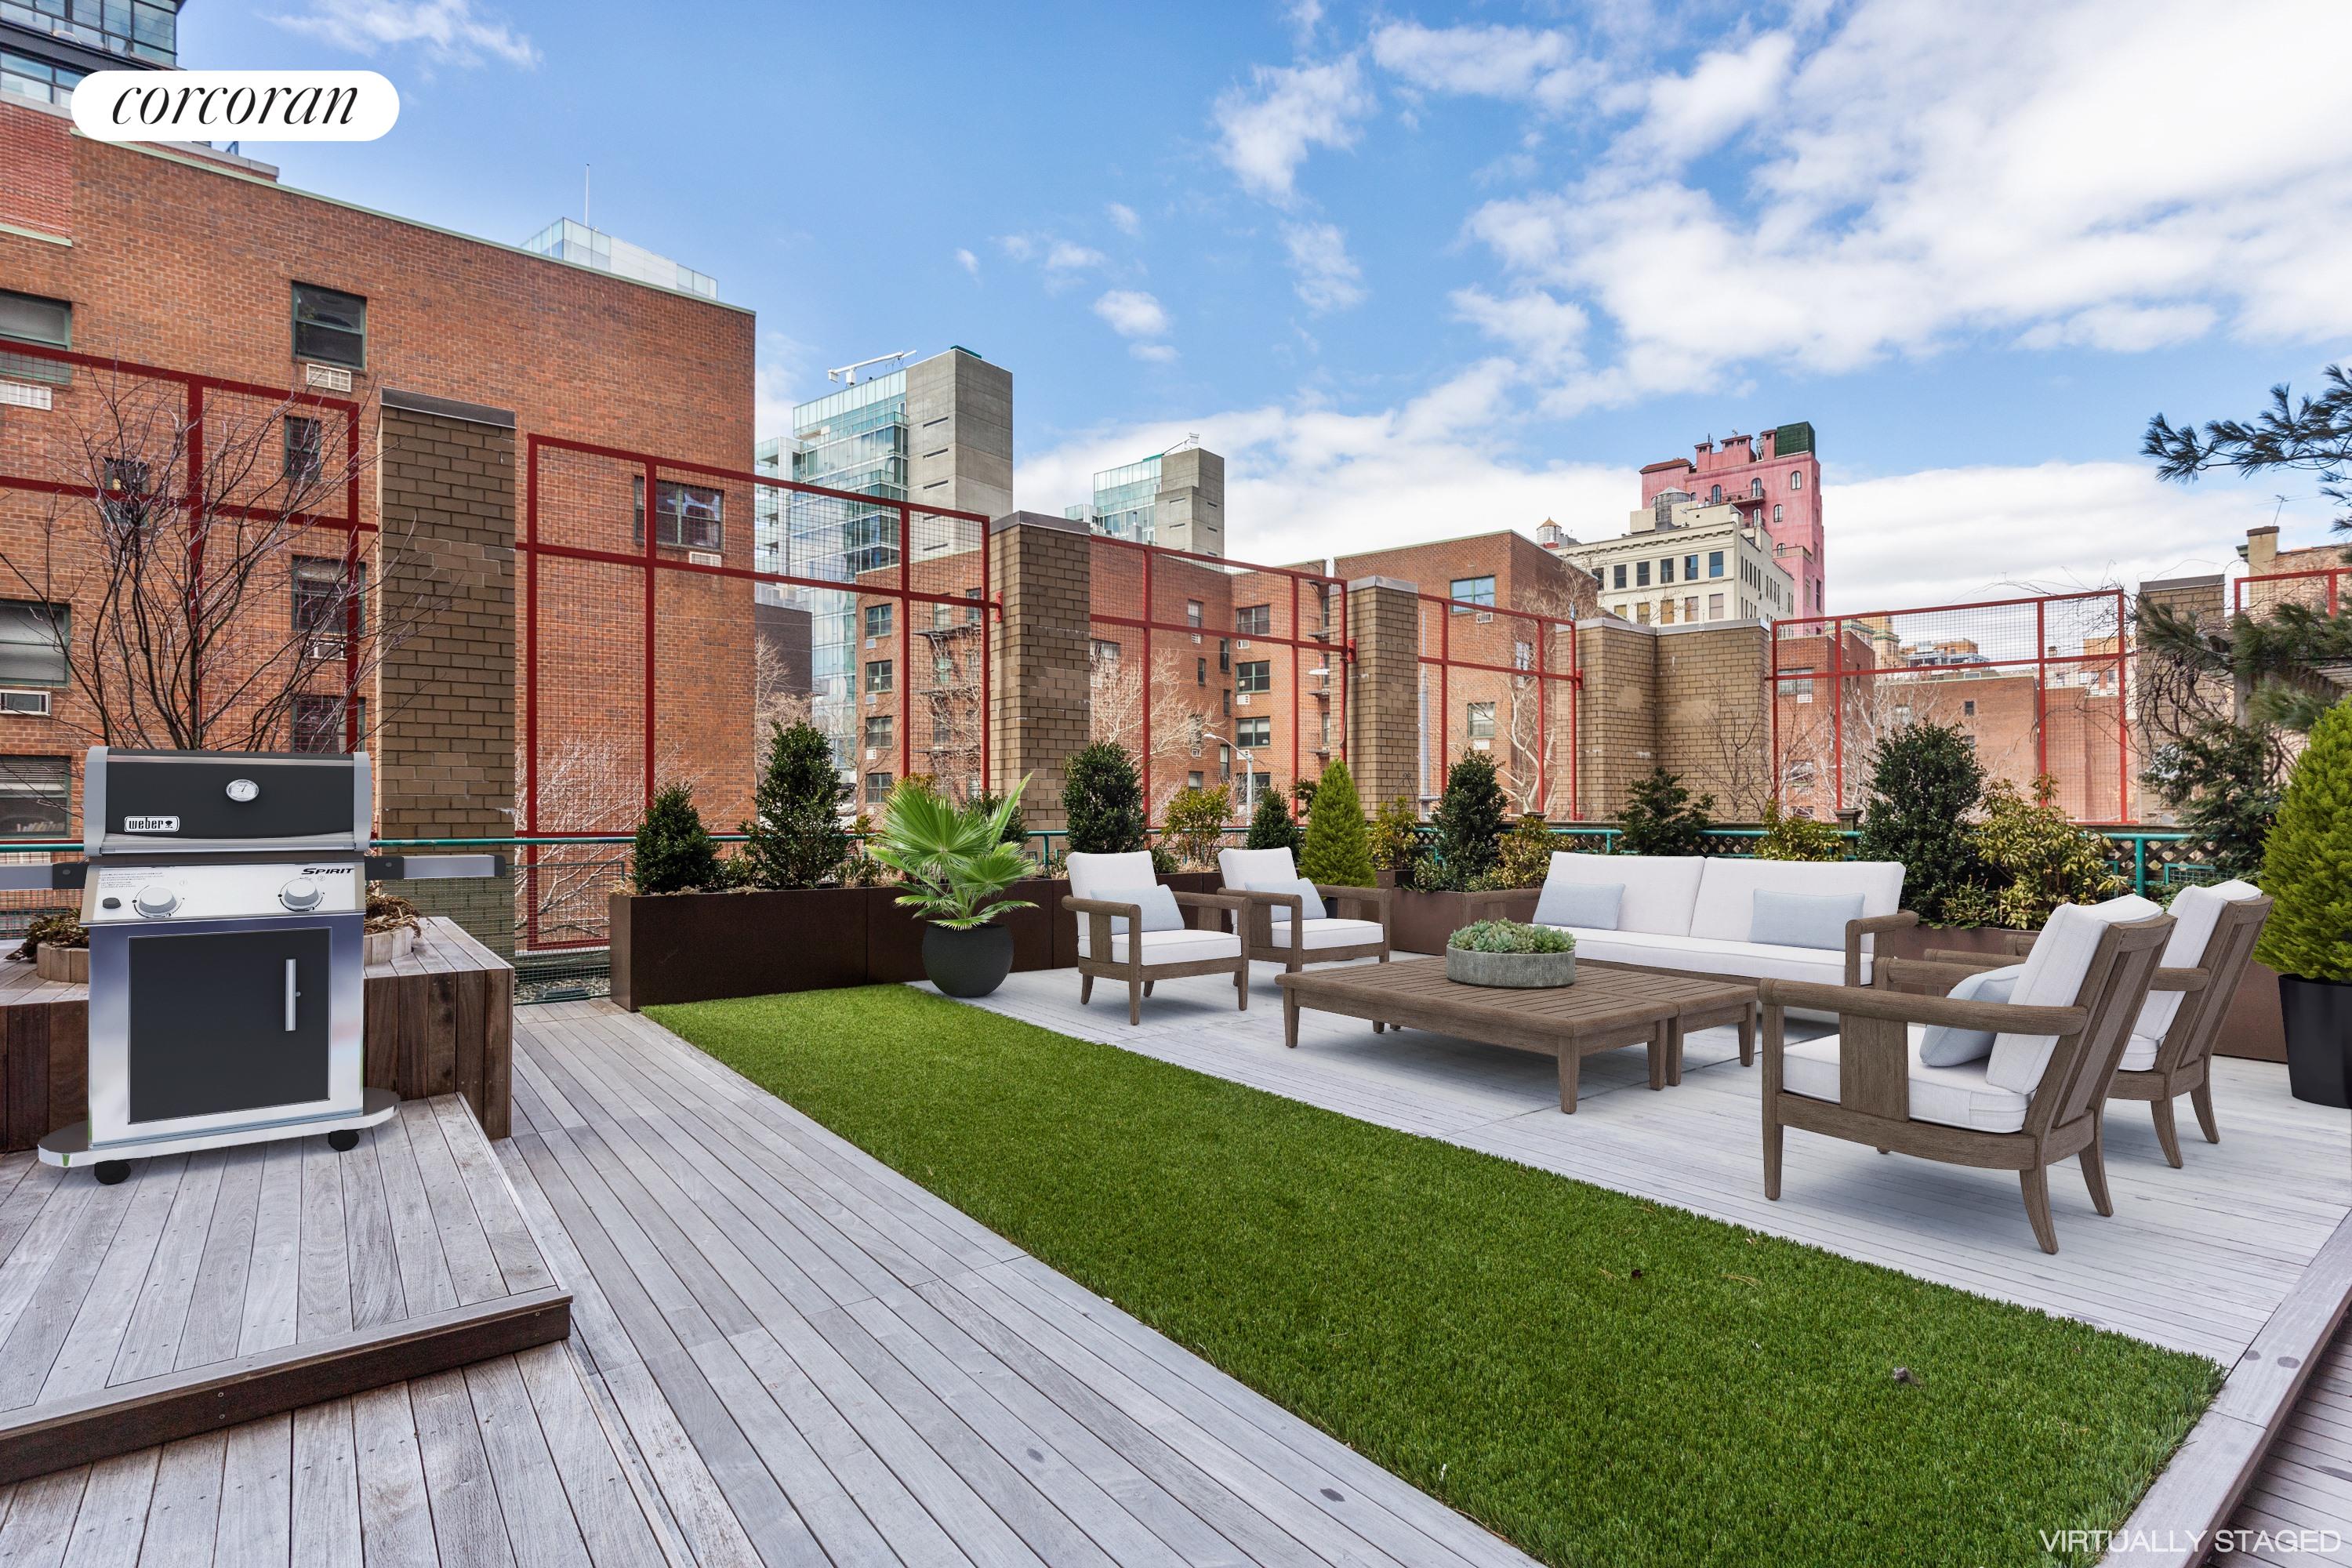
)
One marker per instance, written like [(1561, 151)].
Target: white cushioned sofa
[(1697, 913)]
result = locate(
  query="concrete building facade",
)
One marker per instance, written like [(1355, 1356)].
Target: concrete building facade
[(1685, 561), (1175, 500), (1774, 481)]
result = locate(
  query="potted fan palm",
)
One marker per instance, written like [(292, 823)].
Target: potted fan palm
[(955, 867)]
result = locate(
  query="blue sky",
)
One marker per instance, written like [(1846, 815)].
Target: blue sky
[(1424, 271)]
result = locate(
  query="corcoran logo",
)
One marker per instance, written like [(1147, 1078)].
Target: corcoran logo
[(248, 106)]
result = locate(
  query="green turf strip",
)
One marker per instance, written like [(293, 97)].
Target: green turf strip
[(1599, 1379)]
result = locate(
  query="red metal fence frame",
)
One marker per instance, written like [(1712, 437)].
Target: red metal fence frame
[(649, 561), (1338, 641), (1833, 627), (192, 389), (1573, 676), (2331, 580)]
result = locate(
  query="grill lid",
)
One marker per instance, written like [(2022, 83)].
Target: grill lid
[(224, 802)]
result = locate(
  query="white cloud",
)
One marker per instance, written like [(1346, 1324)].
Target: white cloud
[(1543, 332), (1123, 218), (1157, 353), (1133, 313), (1268, 128), (1304, 17), (1063, 256), (1327, 278), (968, 261), (447, 30), (1060, 260), (2088, 174), (1515, 63)]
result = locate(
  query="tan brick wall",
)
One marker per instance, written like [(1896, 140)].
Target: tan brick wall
[(445, 743), (1043, 573), (1715, 723), (1383, 722), (1617, 738)]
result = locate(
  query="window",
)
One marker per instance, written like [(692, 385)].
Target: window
[(38, 79), (940, 617), (30, 319), (1254, 675), (944, 669), (1776, 511), (1968, 707), (1192, 612), (1104, 651), (877, 674), (1259, 785), (877, 788), (1254, 733), (319, 721), (129, 501), (1224, 764), (1690, 607), (34, 638), (1619, 579), (1715, 496), (1224, 657), (1254, 620), (33, 796), (877, 730), (689, 517), (1690, 568), (1482, 720), (1667, 612), (1667, 570), (1473, 591), (329, 326), (1756, 488), (972, 613), (1642, 613), (942, 729), (1796, 478), (1225, 703), (305, 449), (1200, 672), (1799, 684), (1715, 607), (877, 620), (321, 605), (1641, 574), (1714, 562), (1193, 780)]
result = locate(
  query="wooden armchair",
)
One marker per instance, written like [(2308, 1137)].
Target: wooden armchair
[(2170, 1050), (1139, 957), (1266, 878), (2035, 1101)]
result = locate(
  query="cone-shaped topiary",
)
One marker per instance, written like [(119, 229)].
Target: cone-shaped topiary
[(674, 852), (1103, 801), (796, 837), (1339, 841), (1469, 820), (1271, 826), (1662, 818), (2307, 864)]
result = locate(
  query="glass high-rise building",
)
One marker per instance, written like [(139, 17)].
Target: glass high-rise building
[(48, 46), (1127, 501)]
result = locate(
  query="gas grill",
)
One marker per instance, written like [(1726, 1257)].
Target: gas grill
[(225, 896)]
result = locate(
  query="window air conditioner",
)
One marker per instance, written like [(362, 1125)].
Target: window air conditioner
[(330, 377), (1485, 615), (1482, 745), (705, 558), (32, 704)]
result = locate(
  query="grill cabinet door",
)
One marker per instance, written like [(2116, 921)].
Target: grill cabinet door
[(209, 1022)]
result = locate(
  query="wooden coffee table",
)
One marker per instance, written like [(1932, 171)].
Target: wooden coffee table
[(1611, 1006)]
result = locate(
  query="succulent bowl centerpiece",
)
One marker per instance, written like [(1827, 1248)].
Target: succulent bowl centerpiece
[(1512, 955)]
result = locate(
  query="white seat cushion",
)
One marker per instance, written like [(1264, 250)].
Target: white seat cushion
[(2195, 912), (1956, 1096), (1264, 870), (1659, 889), (1725, 905), (1187, 946), (2140, 1053), (2054, 972), (1099, 876), (1329, 933), (1702, 955)]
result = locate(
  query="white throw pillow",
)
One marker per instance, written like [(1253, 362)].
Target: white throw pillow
[(1950, 1045)]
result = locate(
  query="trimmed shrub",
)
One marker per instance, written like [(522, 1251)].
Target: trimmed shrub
[(1102, 800), (2307, 865), (1339, 841), (1469, 823), (674, 852), (2037, 860), (1662, 818), (2222, 781), (1396, 842), (1926, 786), (1193, 825), (796, 837), (1526, 857), (1271, 826), (1791, 837)]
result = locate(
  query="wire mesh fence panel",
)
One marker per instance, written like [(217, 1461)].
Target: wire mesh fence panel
[(1501, 684), (2037, 685), (1215, 673), (2322, 591)]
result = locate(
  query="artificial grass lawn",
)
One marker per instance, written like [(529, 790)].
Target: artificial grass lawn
[(1599, 1378)]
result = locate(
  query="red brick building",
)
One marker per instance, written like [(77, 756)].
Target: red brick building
[(197, 264)]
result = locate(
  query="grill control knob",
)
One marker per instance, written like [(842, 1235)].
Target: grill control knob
[(299, 894), (155, 902)]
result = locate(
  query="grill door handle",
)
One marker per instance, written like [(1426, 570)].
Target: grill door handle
[(291, 994)]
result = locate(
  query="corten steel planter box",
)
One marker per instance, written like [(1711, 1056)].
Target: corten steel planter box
[(894, 936), (1423, 920), (2254, 1030), (698, 947)]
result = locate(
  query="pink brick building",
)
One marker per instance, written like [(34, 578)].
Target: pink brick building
[(1775, 481)]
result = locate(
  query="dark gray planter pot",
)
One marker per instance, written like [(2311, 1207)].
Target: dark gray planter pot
[(1511, 971), (2318, 1018), (967, 964)]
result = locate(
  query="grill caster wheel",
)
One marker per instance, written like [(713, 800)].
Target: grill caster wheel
[(109, 1173), (344, 1141)]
